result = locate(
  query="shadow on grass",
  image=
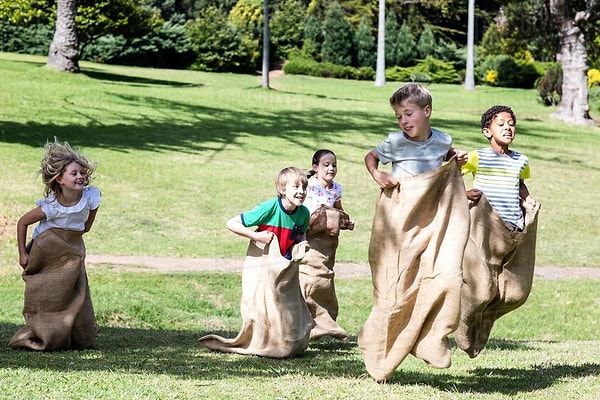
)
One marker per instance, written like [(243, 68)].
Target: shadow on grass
[(193, 129), (133, 80), (175, 353), (153, 123), (506, 381), (150, 122), (178, 353), (199, 128)]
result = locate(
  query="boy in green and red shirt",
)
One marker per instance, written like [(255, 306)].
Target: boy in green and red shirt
[(283, 216), (276, 321)]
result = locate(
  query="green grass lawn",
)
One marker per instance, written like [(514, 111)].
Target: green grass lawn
[(148, 348), (180, 152)]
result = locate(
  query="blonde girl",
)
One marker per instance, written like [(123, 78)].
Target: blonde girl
[(58, 309)]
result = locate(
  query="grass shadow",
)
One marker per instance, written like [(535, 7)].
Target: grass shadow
[(172, 352), (506, 381), (178, 353), (186, 127), (133, 80), (154, 123)]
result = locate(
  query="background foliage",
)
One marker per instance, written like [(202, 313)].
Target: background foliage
[(514, 38)]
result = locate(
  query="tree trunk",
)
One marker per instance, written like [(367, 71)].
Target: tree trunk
[(574, 106), (64, 50)]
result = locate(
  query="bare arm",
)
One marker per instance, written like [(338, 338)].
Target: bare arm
[(235, 225), (29, 218), (383, 179), (461, 156), (524, 193), (474, 195), (348, 224), (338, 205), (90, 220)]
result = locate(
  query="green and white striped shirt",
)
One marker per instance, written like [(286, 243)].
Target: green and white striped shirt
[(498, 177)]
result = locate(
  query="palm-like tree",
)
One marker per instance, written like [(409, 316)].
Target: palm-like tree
[(64, 50)]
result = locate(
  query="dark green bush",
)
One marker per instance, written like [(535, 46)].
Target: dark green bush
[(398, 74), (427, 43), (170, 47), (301, 64), (104, 49), (287, 27), (366, 74), (511, 72), (594, 98), (448, 51), (330, 70), (438, 71), (427, 70), (406, 47), (218, 45), (32, 39), (549, 86), (313, 37)]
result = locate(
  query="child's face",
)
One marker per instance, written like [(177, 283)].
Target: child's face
[(413, 120), (293, 195), (327, 168), (501, 131), (73, 177)]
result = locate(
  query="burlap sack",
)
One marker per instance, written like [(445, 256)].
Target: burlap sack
[(498, 272), (420, 230), (57, 308), (275, 319), (316, 271)]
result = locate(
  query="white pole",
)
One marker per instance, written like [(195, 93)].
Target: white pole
[(266, 41), (380, 72), (470, 74)]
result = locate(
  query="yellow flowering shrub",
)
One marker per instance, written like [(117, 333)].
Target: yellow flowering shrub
[(491, 76), (593, 77), (525, 56)]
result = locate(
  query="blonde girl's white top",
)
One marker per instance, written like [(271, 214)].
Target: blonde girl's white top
[(73, 217), (317, 195)]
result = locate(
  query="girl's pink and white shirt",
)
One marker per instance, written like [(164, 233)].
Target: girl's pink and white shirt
[(316, 195)]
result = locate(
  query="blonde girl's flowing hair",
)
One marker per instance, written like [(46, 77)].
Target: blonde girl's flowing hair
[(56, 158)]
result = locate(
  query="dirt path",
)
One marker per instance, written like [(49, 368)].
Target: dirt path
[(342, 270)]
